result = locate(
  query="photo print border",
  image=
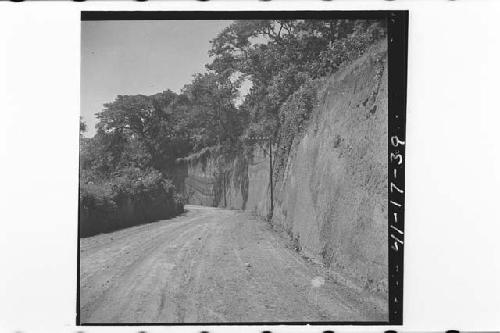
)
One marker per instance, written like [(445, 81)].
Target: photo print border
[(397, 37)]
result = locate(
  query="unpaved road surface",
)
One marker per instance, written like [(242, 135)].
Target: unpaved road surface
[(210, 265)]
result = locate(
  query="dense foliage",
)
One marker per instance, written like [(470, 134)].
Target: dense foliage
[(128, 165), (278, 57), (135, 196)]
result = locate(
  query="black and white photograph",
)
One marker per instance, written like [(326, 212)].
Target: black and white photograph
[(235, 170), (250, 166)]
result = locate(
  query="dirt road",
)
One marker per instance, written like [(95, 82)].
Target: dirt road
[(209, 265)]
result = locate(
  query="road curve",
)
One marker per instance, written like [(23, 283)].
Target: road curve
[(210, 265)]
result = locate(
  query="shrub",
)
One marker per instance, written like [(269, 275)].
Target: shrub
[(345, 50), (132, 197), (97, 208)]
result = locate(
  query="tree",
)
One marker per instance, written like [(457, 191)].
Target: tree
[(83, 127), (213, 118), (279, 56), (148, 122)]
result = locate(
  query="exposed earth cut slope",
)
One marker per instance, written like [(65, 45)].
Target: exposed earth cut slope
[(330, 197)]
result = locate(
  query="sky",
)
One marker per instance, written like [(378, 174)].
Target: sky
[(140, 57)]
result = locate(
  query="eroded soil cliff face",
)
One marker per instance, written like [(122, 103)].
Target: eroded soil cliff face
[(241, 182), (331, 198)]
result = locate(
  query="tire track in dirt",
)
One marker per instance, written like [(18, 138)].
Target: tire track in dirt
[(130, 274), (210, 265)]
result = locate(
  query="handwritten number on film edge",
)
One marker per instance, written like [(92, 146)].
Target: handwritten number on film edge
[(396, 142), (398, 159)]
